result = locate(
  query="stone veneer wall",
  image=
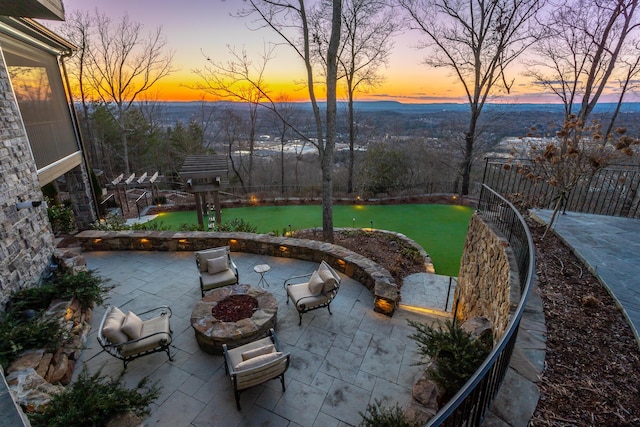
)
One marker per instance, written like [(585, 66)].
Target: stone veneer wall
[(488, 284), (372, 275), (26, 238)]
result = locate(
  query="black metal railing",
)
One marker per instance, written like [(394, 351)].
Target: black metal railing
[(613, 191), (469, 406)]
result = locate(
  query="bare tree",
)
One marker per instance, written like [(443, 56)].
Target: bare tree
[(77, 28), (630, 69), (477, 40), (584, 43), (239, 80), (575, 155), (290, 20), (367, 30), (123, 64)]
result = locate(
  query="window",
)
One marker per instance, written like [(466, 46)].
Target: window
[(37, 83)]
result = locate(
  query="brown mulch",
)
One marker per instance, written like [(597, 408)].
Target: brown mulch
[(592, 375), (394, 254)]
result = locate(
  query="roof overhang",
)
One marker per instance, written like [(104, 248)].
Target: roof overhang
[(33, 32), (43, 9)]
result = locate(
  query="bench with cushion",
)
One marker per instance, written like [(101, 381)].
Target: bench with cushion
[(255, 363), (216, 268), (127, 336), (320, 289)]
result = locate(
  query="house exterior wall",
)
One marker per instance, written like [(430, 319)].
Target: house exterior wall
[(26, 238)]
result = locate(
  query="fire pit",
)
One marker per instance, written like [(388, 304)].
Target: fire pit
[(233, 315)]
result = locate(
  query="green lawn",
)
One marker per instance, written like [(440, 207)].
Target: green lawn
[(439, 229)]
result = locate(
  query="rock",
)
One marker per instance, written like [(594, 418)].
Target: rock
[(58, 370), (480, 328), (43, 366), (127, 419), (30, 389), (418, 413), (425, 392), (66, 379), (29, 359)]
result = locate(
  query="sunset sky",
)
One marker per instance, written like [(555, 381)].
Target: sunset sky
[(194, 27)]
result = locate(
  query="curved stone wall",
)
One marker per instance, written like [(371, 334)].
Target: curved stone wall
[(488, 284), (372, 275)]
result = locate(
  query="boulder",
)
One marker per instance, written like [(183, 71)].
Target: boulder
[(425, 392), (481, 329), (127, 419), (28, 359), (31, 391)]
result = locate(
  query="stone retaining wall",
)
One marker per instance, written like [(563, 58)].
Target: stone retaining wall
[(372, 275), (488, 284)]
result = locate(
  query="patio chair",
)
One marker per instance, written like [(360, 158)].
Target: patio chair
[(216, 268), (255, 363), (127, 337), (317, 292)]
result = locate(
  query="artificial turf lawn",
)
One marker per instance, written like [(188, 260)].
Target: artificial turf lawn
[(439, 229)]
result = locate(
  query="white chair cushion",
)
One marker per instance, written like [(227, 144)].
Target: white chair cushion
[(132, 326), (112, 329), (265, 349), (257, 361), (217, 265), (155, 332)]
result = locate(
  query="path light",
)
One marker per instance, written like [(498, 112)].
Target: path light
[(353, 223), (384, 306)]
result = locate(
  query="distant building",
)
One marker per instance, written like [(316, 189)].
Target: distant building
[(39, 142)]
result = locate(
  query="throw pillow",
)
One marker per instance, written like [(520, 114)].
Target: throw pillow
[(258, 361), (265, 349), (112, 327), (315, 283), (217, 265), (328, 279), (132, 326), (203, 256)]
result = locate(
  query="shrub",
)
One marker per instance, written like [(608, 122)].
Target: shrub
[(86, 286), (455, 354), (18, 335), (111, 222), (61, 217), (237, 224), (379, 416), (92, 400)]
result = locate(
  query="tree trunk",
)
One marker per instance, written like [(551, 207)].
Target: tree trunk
[(327, 158), (352, 138)]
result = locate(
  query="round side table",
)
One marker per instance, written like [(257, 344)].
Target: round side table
[(262, 269)]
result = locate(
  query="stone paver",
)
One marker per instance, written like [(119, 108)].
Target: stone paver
[(610, 247), (339, 363)]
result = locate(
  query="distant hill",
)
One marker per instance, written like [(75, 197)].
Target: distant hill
[(399, 107)]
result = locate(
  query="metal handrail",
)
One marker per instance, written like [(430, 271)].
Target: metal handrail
[(469, 406)]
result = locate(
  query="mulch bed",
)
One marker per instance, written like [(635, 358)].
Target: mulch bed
[(592, 373)]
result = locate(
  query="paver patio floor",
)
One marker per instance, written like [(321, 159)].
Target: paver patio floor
[(339, 362)]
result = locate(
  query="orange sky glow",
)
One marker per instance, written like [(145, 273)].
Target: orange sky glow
[(206, 28)]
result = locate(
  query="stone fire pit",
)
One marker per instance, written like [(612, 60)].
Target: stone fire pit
[(211, 332)]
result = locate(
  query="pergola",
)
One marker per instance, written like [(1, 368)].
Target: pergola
[(203, 175)]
